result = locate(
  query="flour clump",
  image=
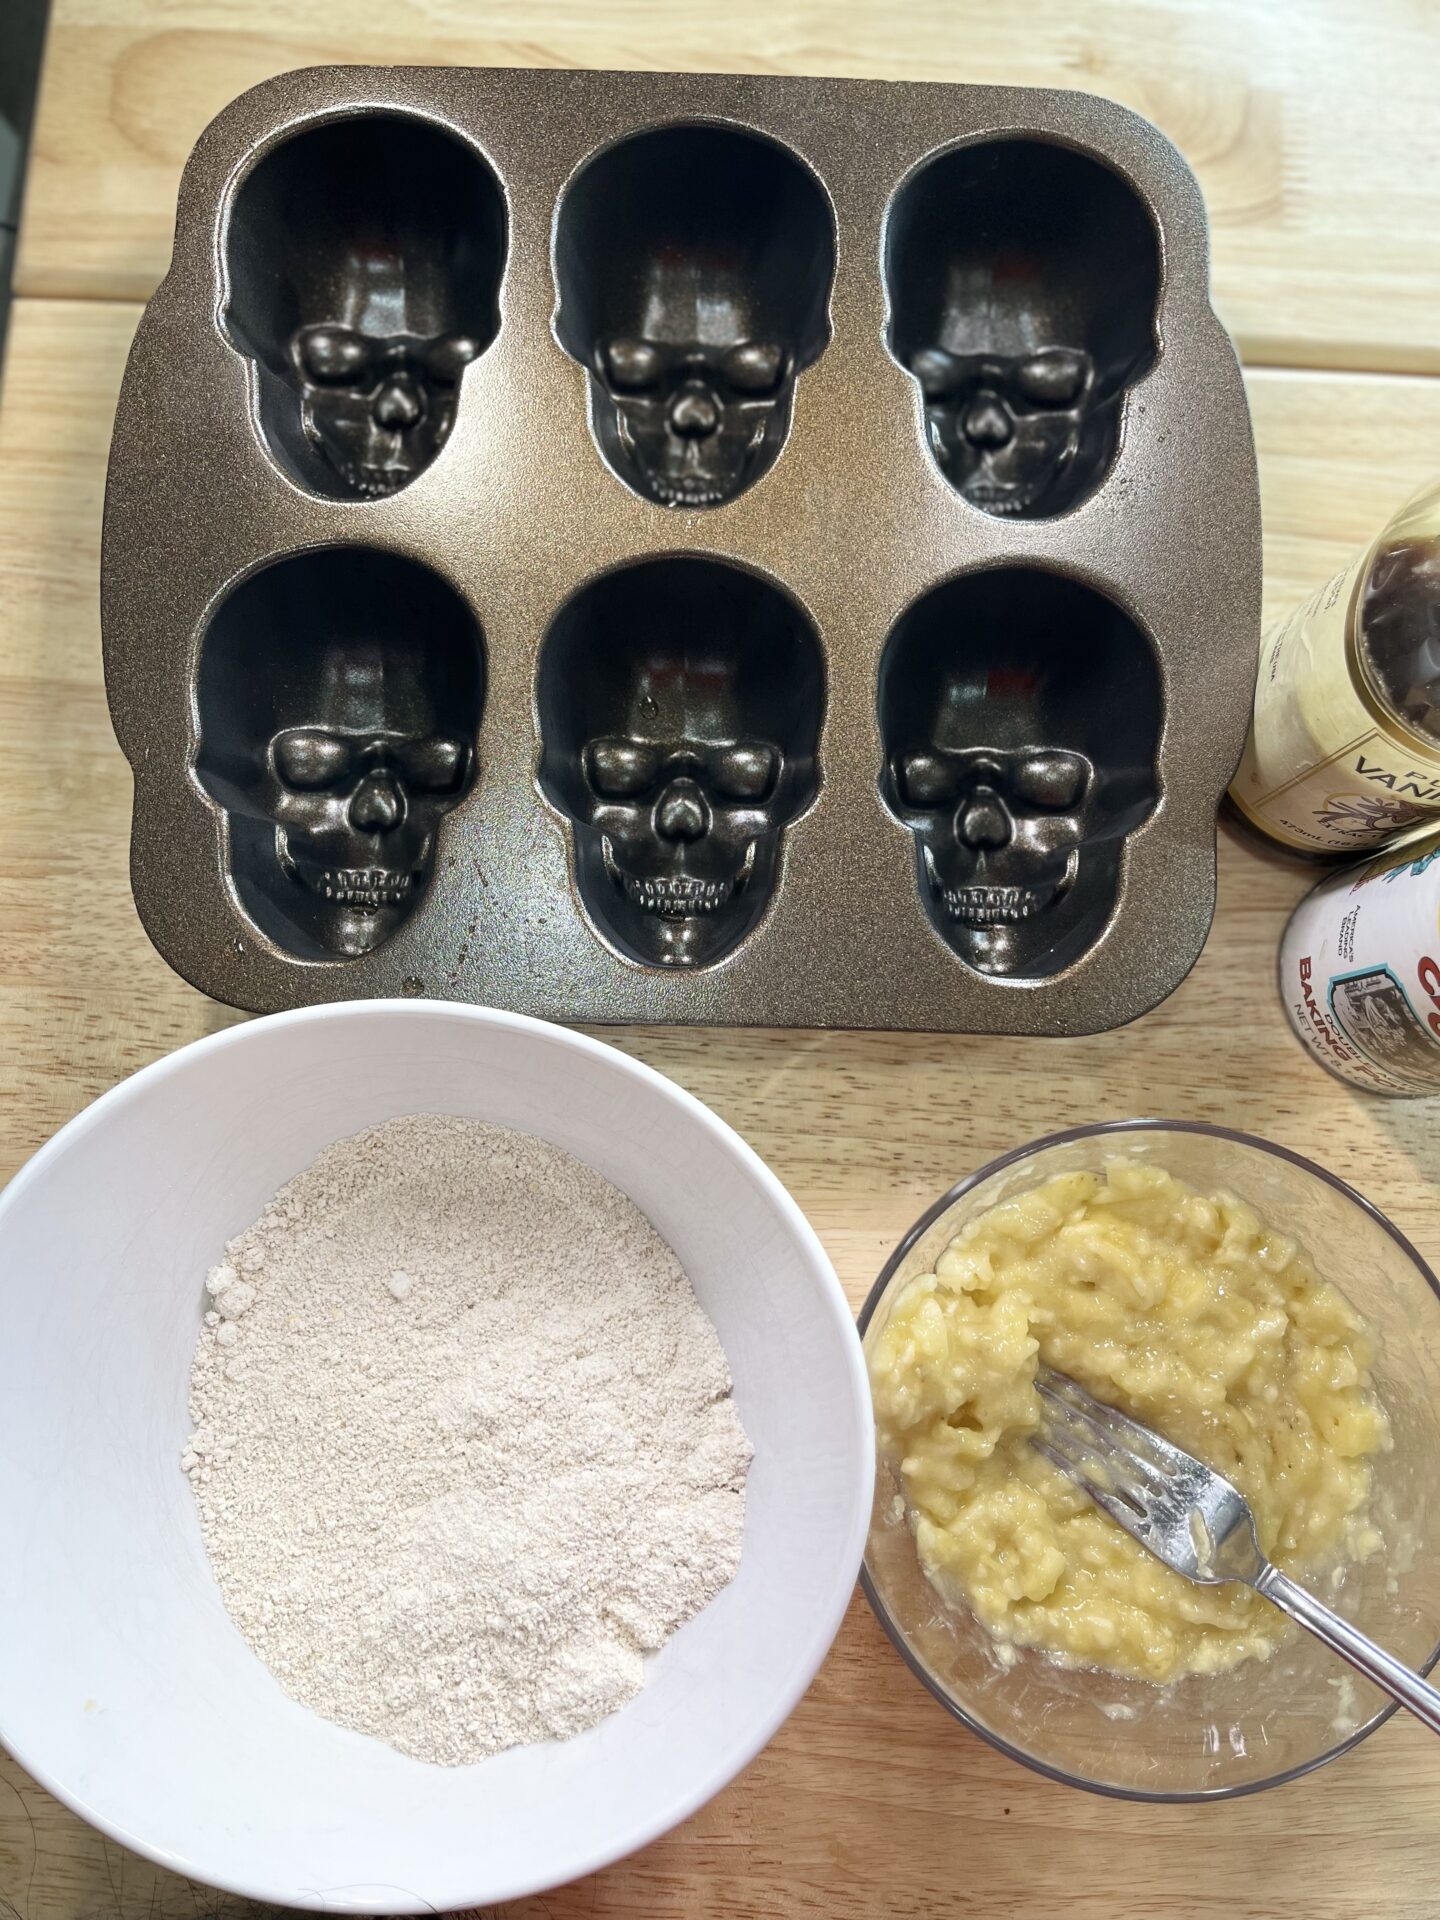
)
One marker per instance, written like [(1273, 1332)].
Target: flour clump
[(464, 1445)]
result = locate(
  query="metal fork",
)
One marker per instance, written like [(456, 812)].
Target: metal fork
[(1196, 1522)]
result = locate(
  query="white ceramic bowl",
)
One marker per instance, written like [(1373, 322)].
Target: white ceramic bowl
[(125, 1689)]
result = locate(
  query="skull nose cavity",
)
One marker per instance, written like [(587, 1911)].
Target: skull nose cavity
[(694, 413), (681, 812), (982, 821), (376, 805), (988, 423), (399, 403)]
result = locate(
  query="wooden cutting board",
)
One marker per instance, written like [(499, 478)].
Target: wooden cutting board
[(1310, 127)]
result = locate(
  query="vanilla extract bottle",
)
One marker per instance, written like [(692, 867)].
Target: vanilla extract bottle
[(1344, 747)]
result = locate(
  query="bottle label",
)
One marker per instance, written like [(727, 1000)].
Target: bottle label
[(1360, 971), (1324, 769)]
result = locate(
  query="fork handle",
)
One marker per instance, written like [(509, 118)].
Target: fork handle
[(1358, 1648)]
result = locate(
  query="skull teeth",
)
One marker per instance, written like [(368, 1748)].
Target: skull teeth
[(679, 896), (668, 494), (378, 483), (1000, 503), (367, 887), (992, 906)]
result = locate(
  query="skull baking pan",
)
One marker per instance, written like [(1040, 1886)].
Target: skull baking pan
[(685, 548)]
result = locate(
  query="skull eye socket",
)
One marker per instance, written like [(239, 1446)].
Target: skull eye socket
[(926, 780), (448, 358), (937, 371), (620, 769), (309, 760), (1055, 780), (1052, 379), (632, 365), (334, 355), (434, 766), (755, 367), (746, 771)]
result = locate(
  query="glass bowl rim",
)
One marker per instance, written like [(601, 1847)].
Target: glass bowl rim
[(1098, 1129)]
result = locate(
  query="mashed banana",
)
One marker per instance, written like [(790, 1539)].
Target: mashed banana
[(1185, 1311)]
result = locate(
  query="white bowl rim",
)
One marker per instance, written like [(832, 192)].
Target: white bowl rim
[(730, 1764)]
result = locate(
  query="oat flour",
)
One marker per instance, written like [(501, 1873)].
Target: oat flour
[(464, 1445)]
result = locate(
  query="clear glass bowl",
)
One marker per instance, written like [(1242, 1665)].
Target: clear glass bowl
[(1211, 1736)]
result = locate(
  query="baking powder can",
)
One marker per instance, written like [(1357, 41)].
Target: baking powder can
[(1360, 970)]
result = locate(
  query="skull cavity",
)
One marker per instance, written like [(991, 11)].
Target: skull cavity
[(680, 707), (1023, 279), (340, 699), (694, 267), (1020, 713), (363, 259)]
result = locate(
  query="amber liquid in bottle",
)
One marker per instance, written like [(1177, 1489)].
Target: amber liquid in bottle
[(1399, 633)]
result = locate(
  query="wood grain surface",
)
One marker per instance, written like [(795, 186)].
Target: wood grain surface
[(869, 1801), (1311, 123), (1313, 129)]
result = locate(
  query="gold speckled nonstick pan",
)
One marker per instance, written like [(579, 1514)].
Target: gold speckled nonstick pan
[(682, 548)]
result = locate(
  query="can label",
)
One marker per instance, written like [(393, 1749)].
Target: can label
[(1325, 769), (1360, 971)]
